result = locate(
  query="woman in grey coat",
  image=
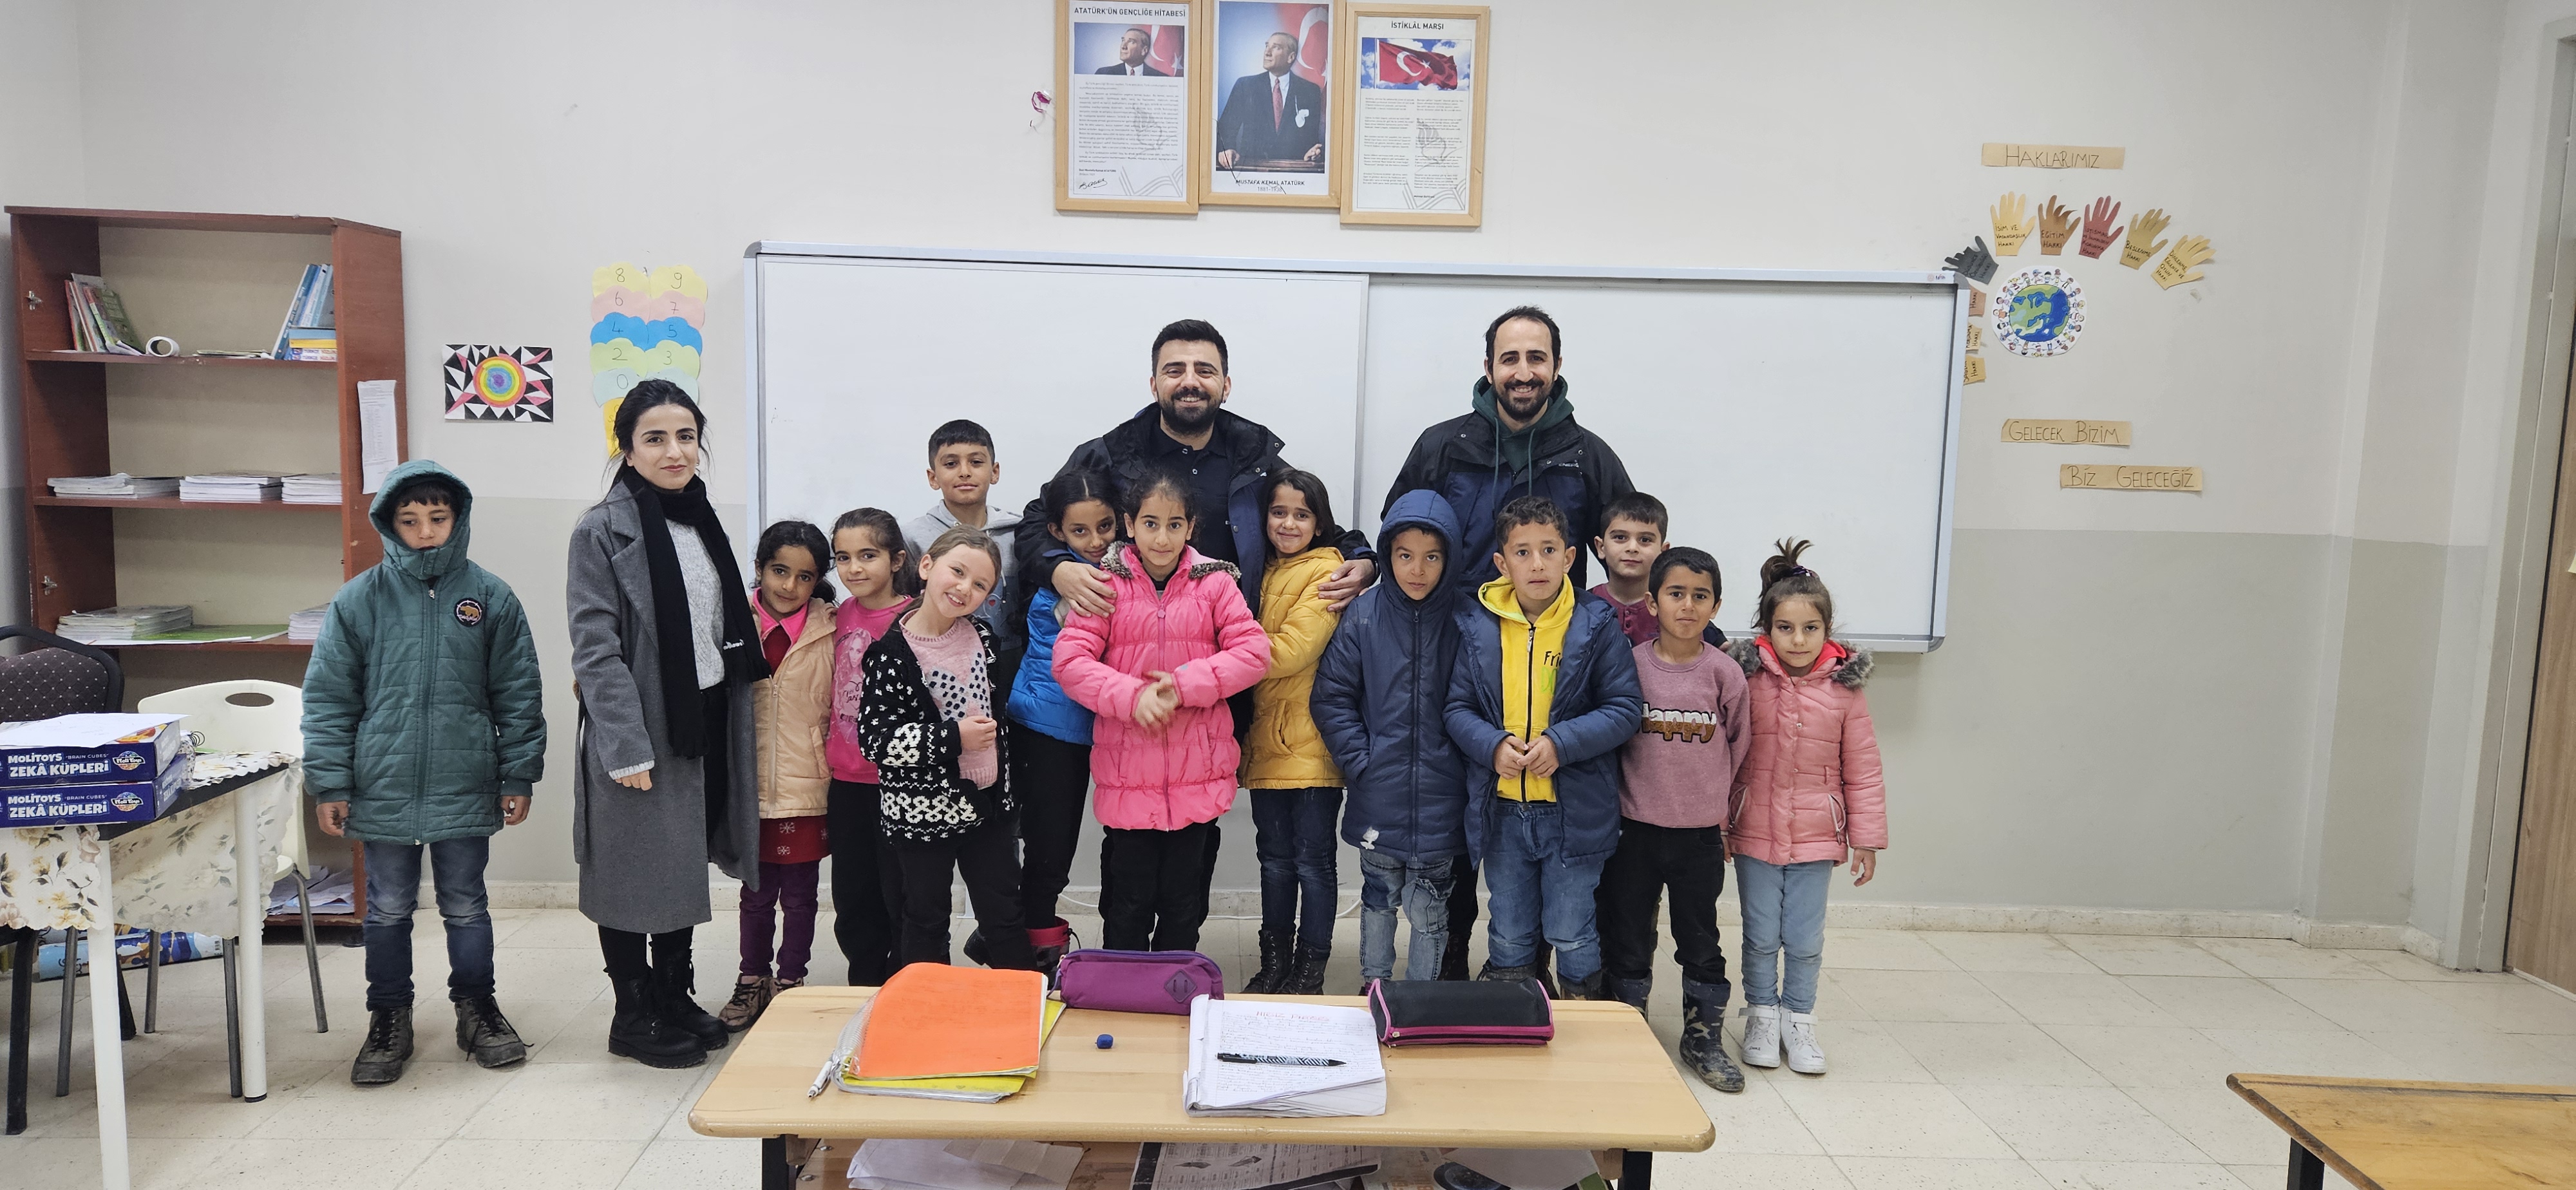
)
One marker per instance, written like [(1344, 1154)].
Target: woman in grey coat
[(663, 655)]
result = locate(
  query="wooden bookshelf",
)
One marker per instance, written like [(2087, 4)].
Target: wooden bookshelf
[(65, 422)]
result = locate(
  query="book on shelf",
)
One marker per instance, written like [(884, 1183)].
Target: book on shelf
[(308, 319), (305, 627), (233, 487), (125, 622), (119, 486), (323, 488), (99, 322)]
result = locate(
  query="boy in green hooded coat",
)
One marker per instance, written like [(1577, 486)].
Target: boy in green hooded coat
[(424, 730)]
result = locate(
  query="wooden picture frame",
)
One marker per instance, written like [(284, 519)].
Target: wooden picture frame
[(1119, 189), (1224, 186), (1360, 191)]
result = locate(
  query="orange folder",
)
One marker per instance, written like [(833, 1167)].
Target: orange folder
[(931, 1020)]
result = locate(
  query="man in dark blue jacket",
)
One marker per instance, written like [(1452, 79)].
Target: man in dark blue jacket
[(1519, 439), (1378, 703)]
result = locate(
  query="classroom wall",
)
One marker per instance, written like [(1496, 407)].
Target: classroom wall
[(40, 162), (2229, 701)]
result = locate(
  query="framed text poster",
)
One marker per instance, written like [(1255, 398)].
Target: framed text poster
[(1413, 120), (1129, 126)]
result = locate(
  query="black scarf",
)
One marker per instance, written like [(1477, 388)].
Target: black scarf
[(682, 704)]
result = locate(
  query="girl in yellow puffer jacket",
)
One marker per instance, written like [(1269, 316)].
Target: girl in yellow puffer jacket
[(1296, 791)]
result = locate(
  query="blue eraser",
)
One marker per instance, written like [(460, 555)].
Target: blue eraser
[(1104, 1041)]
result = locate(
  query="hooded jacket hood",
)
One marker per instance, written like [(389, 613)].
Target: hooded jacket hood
[(1427, 510), (1512, 448), (438, 561)]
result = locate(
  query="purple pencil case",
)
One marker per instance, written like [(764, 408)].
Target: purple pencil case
[(1138, 980), (1432, 1012)]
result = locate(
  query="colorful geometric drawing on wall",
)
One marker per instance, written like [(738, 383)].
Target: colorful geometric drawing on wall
[(487, 383)]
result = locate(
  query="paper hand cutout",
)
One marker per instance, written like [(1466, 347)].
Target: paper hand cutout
[(1975, 264), (2143, 230), (2012, 226), (2056, 226), (2183, 263), (2098, 232)]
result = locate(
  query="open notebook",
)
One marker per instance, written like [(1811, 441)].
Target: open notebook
[(1214, 1085)]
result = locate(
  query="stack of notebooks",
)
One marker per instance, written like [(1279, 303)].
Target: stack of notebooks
[(313, 489), (305, 627), (1258, 1058), (941, 1032), (119, 624), (233, 487), (119, 486), (308, 333), (99, 324)]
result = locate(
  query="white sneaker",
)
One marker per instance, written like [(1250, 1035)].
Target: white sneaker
[(1762, 1035), (1799, 1038)]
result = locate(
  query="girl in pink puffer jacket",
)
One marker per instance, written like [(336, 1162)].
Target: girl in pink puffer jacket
[(1156, 672), (1808, 796)]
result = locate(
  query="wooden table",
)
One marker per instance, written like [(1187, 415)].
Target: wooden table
[(2386, 1135), (1605, 1083)]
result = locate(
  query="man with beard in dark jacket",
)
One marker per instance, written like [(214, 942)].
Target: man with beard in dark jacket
[(1519, 438)]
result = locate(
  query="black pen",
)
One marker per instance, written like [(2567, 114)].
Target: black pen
[(1276, 1060)]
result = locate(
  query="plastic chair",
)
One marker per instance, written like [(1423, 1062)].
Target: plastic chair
[(246, 715)]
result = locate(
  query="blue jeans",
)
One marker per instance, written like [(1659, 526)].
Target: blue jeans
[(1422, 888), (1536, 891), (1784, 908), (393, 892), (1292, 833)]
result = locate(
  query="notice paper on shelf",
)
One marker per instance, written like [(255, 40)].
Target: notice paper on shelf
[(377, 454)]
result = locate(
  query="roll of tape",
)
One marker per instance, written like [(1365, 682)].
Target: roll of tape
[(161, 345)]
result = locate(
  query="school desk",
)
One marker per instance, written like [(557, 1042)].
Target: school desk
[(1604, 1083), (180, 871), (2384, 1135)]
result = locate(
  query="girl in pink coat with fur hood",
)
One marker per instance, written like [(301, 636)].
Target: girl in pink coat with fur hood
[(1157, 671), (1808, 796)]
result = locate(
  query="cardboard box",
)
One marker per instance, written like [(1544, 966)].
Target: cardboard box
[(95, 802), (90, 749)]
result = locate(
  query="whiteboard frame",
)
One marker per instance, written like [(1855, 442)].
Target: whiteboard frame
[(1953, 390)]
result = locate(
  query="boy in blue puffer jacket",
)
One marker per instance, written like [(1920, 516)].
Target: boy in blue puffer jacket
[(424, 730), (1379, 692)]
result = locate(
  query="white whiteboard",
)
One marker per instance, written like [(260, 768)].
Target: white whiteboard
[(1754, 404), (856, 360), (1753, 410)]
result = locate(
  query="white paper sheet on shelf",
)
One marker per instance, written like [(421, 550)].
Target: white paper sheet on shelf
[(376, 450)]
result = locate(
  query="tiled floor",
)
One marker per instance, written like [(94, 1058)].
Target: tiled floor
[(1992, 1061)]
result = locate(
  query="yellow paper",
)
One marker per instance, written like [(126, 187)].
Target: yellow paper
[(622, 353), (2053, 156), (1976, 303), (621, 275), (608, 423), (652, 282), (1976, 371), (2128, 479), (2011, 223), (2143, 244), (2066, 433), (677, 278), (2183, 263), (1976, 335)]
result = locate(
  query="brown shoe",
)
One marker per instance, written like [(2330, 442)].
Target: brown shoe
[(751, 995)]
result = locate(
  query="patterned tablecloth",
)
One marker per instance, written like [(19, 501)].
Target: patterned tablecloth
[(174, 874)]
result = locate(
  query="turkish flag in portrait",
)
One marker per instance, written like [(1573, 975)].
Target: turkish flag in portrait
[(1313, 25), (1400, 63), (1166, 56)]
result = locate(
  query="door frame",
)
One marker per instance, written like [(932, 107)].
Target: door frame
[(2535, 423)]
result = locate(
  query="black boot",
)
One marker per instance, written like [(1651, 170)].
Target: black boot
[(638, 1032), (1587, 988), (1278, 959), (1704, 1038), (672, 985), (1494, 974), (482, 1031), (387, 1047), (1543, 972), (976, 951), (1632, 992), (1308, 978), (1453, 957)]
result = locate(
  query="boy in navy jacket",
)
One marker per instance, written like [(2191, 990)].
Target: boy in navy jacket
[(1380, 695)]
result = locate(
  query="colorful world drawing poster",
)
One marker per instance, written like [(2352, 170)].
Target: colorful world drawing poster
[(487, 383)]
